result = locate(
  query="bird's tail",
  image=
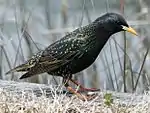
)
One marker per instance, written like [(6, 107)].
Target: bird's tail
[(26, 75), (20, 68)]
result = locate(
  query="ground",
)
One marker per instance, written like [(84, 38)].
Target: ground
[(16, 99)]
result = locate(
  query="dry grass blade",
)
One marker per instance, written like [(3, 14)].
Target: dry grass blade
[(109, 72), (129, 61), (140, 72), (125, 47), (27, 37), (111, 54)]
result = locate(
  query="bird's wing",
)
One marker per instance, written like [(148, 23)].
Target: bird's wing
[(56, 55), (63, 51)]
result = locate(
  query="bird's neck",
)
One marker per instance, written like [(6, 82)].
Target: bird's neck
[(102, 36), (97, 39), (101, 40)]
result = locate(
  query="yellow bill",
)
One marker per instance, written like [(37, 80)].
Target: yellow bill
[(129, 29)]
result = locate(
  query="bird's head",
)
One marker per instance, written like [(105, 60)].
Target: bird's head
[(113, 23)]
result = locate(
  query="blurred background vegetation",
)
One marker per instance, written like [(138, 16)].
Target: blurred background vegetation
[(27, 26)]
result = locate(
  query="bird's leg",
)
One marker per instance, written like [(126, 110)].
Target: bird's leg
[(82, 88), (80, 96)]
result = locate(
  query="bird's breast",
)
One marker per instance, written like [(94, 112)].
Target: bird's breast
[(86, 60), (82, 63)]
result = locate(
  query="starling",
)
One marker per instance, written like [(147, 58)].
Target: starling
[(76, 51)]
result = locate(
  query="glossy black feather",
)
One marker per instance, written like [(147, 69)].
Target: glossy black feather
[(75, 51)]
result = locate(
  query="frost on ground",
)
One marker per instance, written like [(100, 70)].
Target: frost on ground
[(17, 101)]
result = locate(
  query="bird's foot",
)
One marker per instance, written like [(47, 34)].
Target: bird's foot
[(82, 89), (88, 97), (81, 96)]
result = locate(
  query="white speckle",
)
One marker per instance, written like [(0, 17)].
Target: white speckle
[(74, 40), (55, 51), (61, 47), (60, 52), (64, 41), (69, 39), (72, 45), (67, 49)]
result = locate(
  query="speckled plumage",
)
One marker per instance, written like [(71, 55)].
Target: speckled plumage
[(75, 51), (60, 58)]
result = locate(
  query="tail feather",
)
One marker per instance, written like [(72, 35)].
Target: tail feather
[(20, 68), (26, 75)]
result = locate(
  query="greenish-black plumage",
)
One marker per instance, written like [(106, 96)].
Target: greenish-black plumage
[(75, 51)]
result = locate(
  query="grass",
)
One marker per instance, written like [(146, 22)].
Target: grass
[(60, 103)]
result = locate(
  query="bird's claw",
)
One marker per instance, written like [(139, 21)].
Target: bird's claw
[(87, 89), (88, 97)]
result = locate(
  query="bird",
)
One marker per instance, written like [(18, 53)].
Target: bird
[(76, 51)]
